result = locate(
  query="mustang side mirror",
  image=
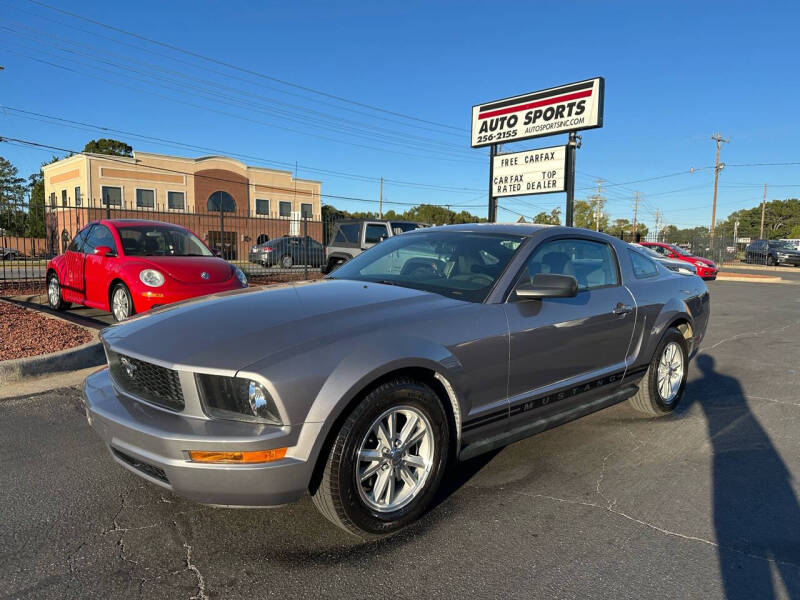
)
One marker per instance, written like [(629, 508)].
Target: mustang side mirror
[(103, 251), (548, 285)]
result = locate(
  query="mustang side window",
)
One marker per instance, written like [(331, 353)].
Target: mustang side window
[(591, 263), (643, 267)]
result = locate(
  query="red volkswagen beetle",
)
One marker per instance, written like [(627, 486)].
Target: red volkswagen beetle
[(705, 268), (129, 266)]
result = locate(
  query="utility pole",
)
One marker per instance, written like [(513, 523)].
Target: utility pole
[(658, 224), (635, 211), (717, 168), (763, 209), (599, 183), (380, 202)]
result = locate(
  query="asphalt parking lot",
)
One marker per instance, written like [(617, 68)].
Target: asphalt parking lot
[(700, 504)]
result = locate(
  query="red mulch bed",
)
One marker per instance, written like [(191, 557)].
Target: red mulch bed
[(8, 289), (26, 333)]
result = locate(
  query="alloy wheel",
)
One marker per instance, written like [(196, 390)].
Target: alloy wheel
[(670, 372), (395, 459), (121, 306), (53, 291)]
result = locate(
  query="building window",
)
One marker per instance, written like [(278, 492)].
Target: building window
[(52, 199), (78, 198), (145, 198), (221, 201), (285, 209), (262, 207), (64, 201), (176, 201), (112, 196), (307, 211)]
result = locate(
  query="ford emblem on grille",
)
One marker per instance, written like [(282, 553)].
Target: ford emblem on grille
[(204, 275), (130, 368)]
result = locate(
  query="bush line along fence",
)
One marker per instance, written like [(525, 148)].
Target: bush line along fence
[(31, 234)]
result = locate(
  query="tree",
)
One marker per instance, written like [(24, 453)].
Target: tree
[(623, 227), (108, 146), (780, 218), (584, 214), (551, 218), (12, 197)]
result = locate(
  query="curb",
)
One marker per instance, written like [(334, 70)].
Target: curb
[(751, 279), (87, 355)]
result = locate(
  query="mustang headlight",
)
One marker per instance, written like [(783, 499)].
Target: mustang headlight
[(151, 277), (237, 398), (240, 276)]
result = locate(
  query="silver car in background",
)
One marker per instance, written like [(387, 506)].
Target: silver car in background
[(679, 266), (433, 346)]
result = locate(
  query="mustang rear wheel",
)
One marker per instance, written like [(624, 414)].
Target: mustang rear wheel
[(121, 302), (287, 261), (54, 293), (386, 461), (662, 386)]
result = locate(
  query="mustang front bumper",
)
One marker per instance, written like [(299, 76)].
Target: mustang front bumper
[(154, 444)]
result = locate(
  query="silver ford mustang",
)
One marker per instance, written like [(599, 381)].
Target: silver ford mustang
[(433, 346)]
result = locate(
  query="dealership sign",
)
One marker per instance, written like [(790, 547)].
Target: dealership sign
[(560, 109), (540, 171)]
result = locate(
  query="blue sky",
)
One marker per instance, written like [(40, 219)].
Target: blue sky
[(675, 73)]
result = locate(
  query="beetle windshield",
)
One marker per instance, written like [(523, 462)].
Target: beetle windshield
[(461, 265), (160, 240)]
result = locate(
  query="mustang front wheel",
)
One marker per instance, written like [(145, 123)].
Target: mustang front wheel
[(386, 461), (662, 386)]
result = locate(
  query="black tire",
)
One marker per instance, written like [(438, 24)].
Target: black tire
[(771, 261), (336, 492), (59, 304), (648, 399), (287, 261), (121, 288)]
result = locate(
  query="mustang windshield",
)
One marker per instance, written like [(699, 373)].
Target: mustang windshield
[(461, 265), (160, 240)]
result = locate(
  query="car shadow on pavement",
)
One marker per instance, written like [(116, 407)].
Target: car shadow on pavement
[(756, 513)]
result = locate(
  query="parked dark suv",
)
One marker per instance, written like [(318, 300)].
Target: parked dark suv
[(288, 251), (771, 252)]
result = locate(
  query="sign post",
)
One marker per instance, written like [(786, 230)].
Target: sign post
[(563, 109)]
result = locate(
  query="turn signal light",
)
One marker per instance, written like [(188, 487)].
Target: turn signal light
[(256, 456)]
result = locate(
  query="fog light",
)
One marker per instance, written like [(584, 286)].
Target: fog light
[(256, 456)]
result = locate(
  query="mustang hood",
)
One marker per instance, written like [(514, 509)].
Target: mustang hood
[(189, 269), (228, 331)]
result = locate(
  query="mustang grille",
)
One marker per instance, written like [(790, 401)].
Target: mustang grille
[(147, 381)]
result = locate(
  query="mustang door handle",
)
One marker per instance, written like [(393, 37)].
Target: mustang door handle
[(622, 309)]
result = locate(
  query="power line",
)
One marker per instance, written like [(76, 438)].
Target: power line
[(431, 152), (165, 141), (206, 69), (235, 95), (242, 69), (30, 143)]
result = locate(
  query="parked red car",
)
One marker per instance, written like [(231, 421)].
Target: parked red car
[(130, 266), (705, 268)]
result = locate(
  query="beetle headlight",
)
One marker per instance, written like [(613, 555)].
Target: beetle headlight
[(240, 276), (237, 398), (151, 277)]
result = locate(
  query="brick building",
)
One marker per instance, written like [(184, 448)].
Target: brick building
[(229, 204)]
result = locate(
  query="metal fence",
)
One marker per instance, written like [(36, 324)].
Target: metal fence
[(722, 248), (31, 234)]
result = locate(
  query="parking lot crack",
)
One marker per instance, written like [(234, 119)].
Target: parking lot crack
[(662, 530), (748, 334), (190, 566)]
